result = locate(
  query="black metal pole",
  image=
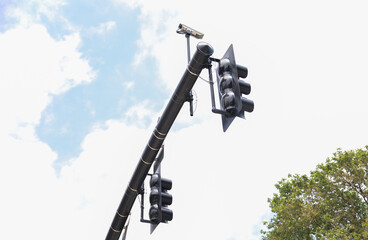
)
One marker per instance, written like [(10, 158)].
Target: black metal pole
[(187, 35), (188, 46), (211, 86), (194, 68)]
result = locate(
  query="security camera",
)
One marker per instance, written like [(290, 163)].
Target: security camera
[(183, 29)]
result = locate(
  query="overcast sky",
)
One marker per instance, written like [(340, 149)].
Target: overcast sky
[(82, 84)]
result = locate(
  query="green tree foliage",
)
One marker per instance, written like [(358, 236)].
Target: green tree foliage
[(330, 203)]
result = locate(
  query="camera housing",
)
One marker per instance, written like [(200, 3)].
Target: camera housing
[(183, 29)]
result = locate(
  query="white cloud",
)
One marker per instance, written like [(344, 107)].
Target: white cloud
[(28, 12), (34, 67), (103, 28), (128, 85), (139, 114), (47, 8), (99, 175)]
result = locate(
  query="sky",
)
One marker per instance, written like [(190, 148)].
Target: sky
[(82, 84)]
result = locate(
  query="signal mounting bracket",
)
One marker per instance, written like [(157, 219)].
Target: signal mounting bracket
[(214, 109)]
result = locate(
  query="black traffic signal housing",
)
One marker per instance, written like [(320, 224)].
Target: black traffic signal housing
[(160, 199), (231, 88)]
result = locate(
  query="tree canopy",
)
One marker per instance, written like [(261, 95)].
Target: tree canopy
[(330, 203)]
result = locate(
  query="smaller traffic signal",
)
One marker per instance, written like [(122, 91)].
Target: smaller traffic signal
[(160, 199), (231, 88)]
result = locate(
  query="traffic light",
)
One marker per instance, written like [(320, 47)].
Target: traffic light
[(160, 199), (231, 88)]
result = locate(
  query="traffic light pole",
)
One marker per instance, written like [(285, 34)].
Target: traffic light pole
[(194, 68), (190, 94)]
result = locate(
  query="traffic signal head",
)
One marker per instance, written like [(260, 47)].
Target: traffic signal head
[(160, 199), (231, 88)]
